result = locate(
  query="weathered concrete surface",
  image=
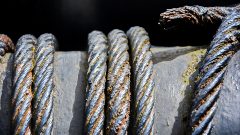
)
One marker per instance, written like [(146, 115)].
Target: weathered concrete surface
[(70, 72), (173, 85), (173, 78), (169, 53), (5, 94)]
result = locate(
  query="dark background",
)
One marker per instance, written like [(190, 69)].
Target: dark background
[(71, 20)]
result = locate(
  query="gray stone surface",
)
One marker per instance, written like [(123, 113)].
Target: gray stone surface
[(70, 71), (174, 77), (173, 85), (170, 53)]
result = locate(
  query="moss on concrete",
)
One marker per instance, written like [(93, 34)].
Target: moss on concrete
[(196, 57)]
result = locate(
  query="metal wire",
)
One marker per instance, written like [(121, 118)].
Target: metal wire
[(21, 102), (43, 85), (95, 97), (6, 45), (118, 84), (224, 45), (194, 15), (143, 80)]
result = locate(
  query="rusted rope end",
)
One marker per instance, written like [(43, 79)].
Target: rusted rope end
[(6, 45), (193, 15)]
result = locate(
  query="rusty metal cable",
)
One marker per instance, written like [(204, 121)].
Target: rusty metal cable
[(96, 79), (22, 84), (224, 45), (43, 85), (6, 45), (118, 84), (193, 15), (142, 66)]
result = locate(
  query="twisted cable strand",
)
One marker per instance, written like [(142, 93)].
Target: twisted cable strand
[(43, 85), (22, 82), (118, 84), (95, 97), (193, 15), (222, 48), (143, 80), (6, 45)]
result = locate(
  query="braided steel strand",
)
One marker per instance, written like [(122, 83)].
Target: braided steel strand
[(95, 96), (6, 45), (223, 47), (193, 15), (23, 66), (43, 85), (143, 80), (118, 84)]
